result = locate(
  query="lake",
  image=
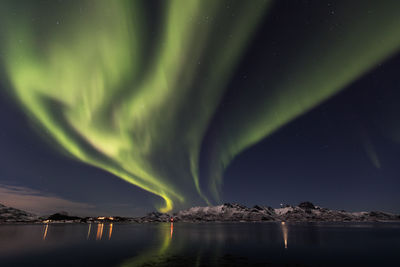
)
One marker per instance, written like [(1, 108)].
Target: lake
[(203, 244)]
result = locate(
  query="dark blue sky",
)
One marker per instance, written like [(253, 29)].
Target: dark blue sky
[(321, 156)]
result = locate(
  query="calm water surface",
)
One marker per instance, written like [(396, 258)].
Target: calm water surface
[(207, 244)]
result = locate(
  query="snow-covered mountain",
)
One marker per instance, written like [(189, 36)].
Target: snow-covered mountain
[(304, 212), (227, 212), (11, 215)]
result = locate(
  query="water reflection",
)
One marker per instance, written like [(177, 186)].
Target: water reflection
[(204, 245), (208, 244), (285, 233), (153, 256), (99, 234), (45, 232), (88, 233), (213, 244), (110, 229)]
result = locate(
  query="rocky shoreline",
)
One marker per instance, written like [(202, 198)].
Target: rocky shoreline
[(304, 212)]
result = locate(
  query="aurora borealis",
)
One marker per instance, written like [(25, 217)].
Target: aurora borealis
[(149, 90)]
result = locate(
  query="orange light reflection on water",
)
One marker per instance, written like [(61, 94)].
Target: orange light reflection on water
[(110, 231), (172, 228), (285, 233), (45, 232), (99, 233), (88, 233)]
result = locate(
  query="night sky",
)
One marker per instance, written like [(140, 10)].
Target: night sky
[(124, 107)]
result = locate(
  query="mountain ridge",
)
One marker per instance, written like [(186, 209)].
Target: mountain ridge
[(304, 212), (13, 215), (228, 212)]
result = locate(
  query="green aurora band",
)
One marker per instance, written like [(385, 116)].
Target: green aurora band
[(136, 89)]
